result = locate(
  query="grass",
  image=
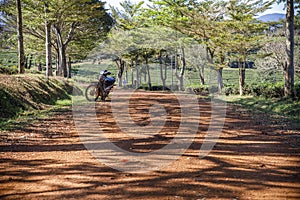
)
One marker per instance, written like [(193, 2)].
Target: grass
[(287, 109), (8, 58), (24, 97), (30, 116)]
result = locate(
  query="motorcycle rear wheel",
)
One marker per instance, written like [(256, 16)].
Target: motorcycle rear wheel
[(91, 92)]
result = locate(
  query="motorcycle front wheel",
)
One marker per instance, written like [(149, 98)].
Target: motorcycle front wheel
[(91, 92)]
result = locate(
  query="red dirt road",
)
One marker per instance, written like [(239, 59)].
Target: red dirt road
[(256, 157)]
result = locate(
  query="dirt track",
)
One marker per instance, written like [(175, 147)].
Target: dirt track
[(253, 159)]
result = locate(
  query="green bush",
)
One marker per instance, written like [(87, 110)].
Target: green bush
[(8, 70), (231, 89), (200, 90), (268, 90), (264, 89)]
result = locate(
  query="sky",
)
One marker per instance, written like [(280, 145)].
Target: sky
[(276, 8)]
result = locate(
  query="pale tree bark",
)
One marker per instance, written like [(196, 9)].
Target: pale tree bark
[(21, 54), (289, 68), (62, 46), (163, 71), (62, 67), (58, 69), (220, 75), (180, 75), (49, 71), (137, 84), (121, 66), (201, 74)]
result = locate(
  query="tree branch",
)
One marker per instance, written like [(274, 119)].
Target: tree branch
[(71, 33)]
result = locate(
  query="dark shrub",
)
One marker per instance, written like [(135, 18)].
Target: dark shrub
[(8, 70)]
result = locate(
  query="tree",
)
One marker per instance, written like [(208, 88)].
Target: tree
[(202, 21), (79, 24), (162, 67), (197, 59), (21, 54), (290, 43), (48, 43), (77, 20), (180, 61), (126, 19), (271, 59), (289, 70), (246, 32)]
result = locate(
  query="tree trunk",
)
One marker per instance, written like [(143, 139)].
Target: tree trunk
[(30, 61), (242, 77), (149, 75), (58, 69), (63, 60), (220, 79), (137, 84), (132, 79), (49, 71), (126, 74), (69, 68), (181, 74), (121, 65), (145, 76), (40, 67), (201, 74), (26, 62), (61, 53), (289, 68), (21, 54), (163, 72)]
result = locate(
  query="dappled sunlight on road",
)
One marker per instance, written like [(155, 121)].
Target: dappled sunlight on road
[(245, 163)]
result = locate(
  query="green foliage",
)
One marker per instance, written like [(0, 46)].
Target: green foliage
[(82, 23), (129, 17), (247, 32), (268, 90)]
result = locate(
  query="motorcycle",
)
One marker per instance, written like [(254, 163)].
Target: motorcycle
[(102, 88)]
